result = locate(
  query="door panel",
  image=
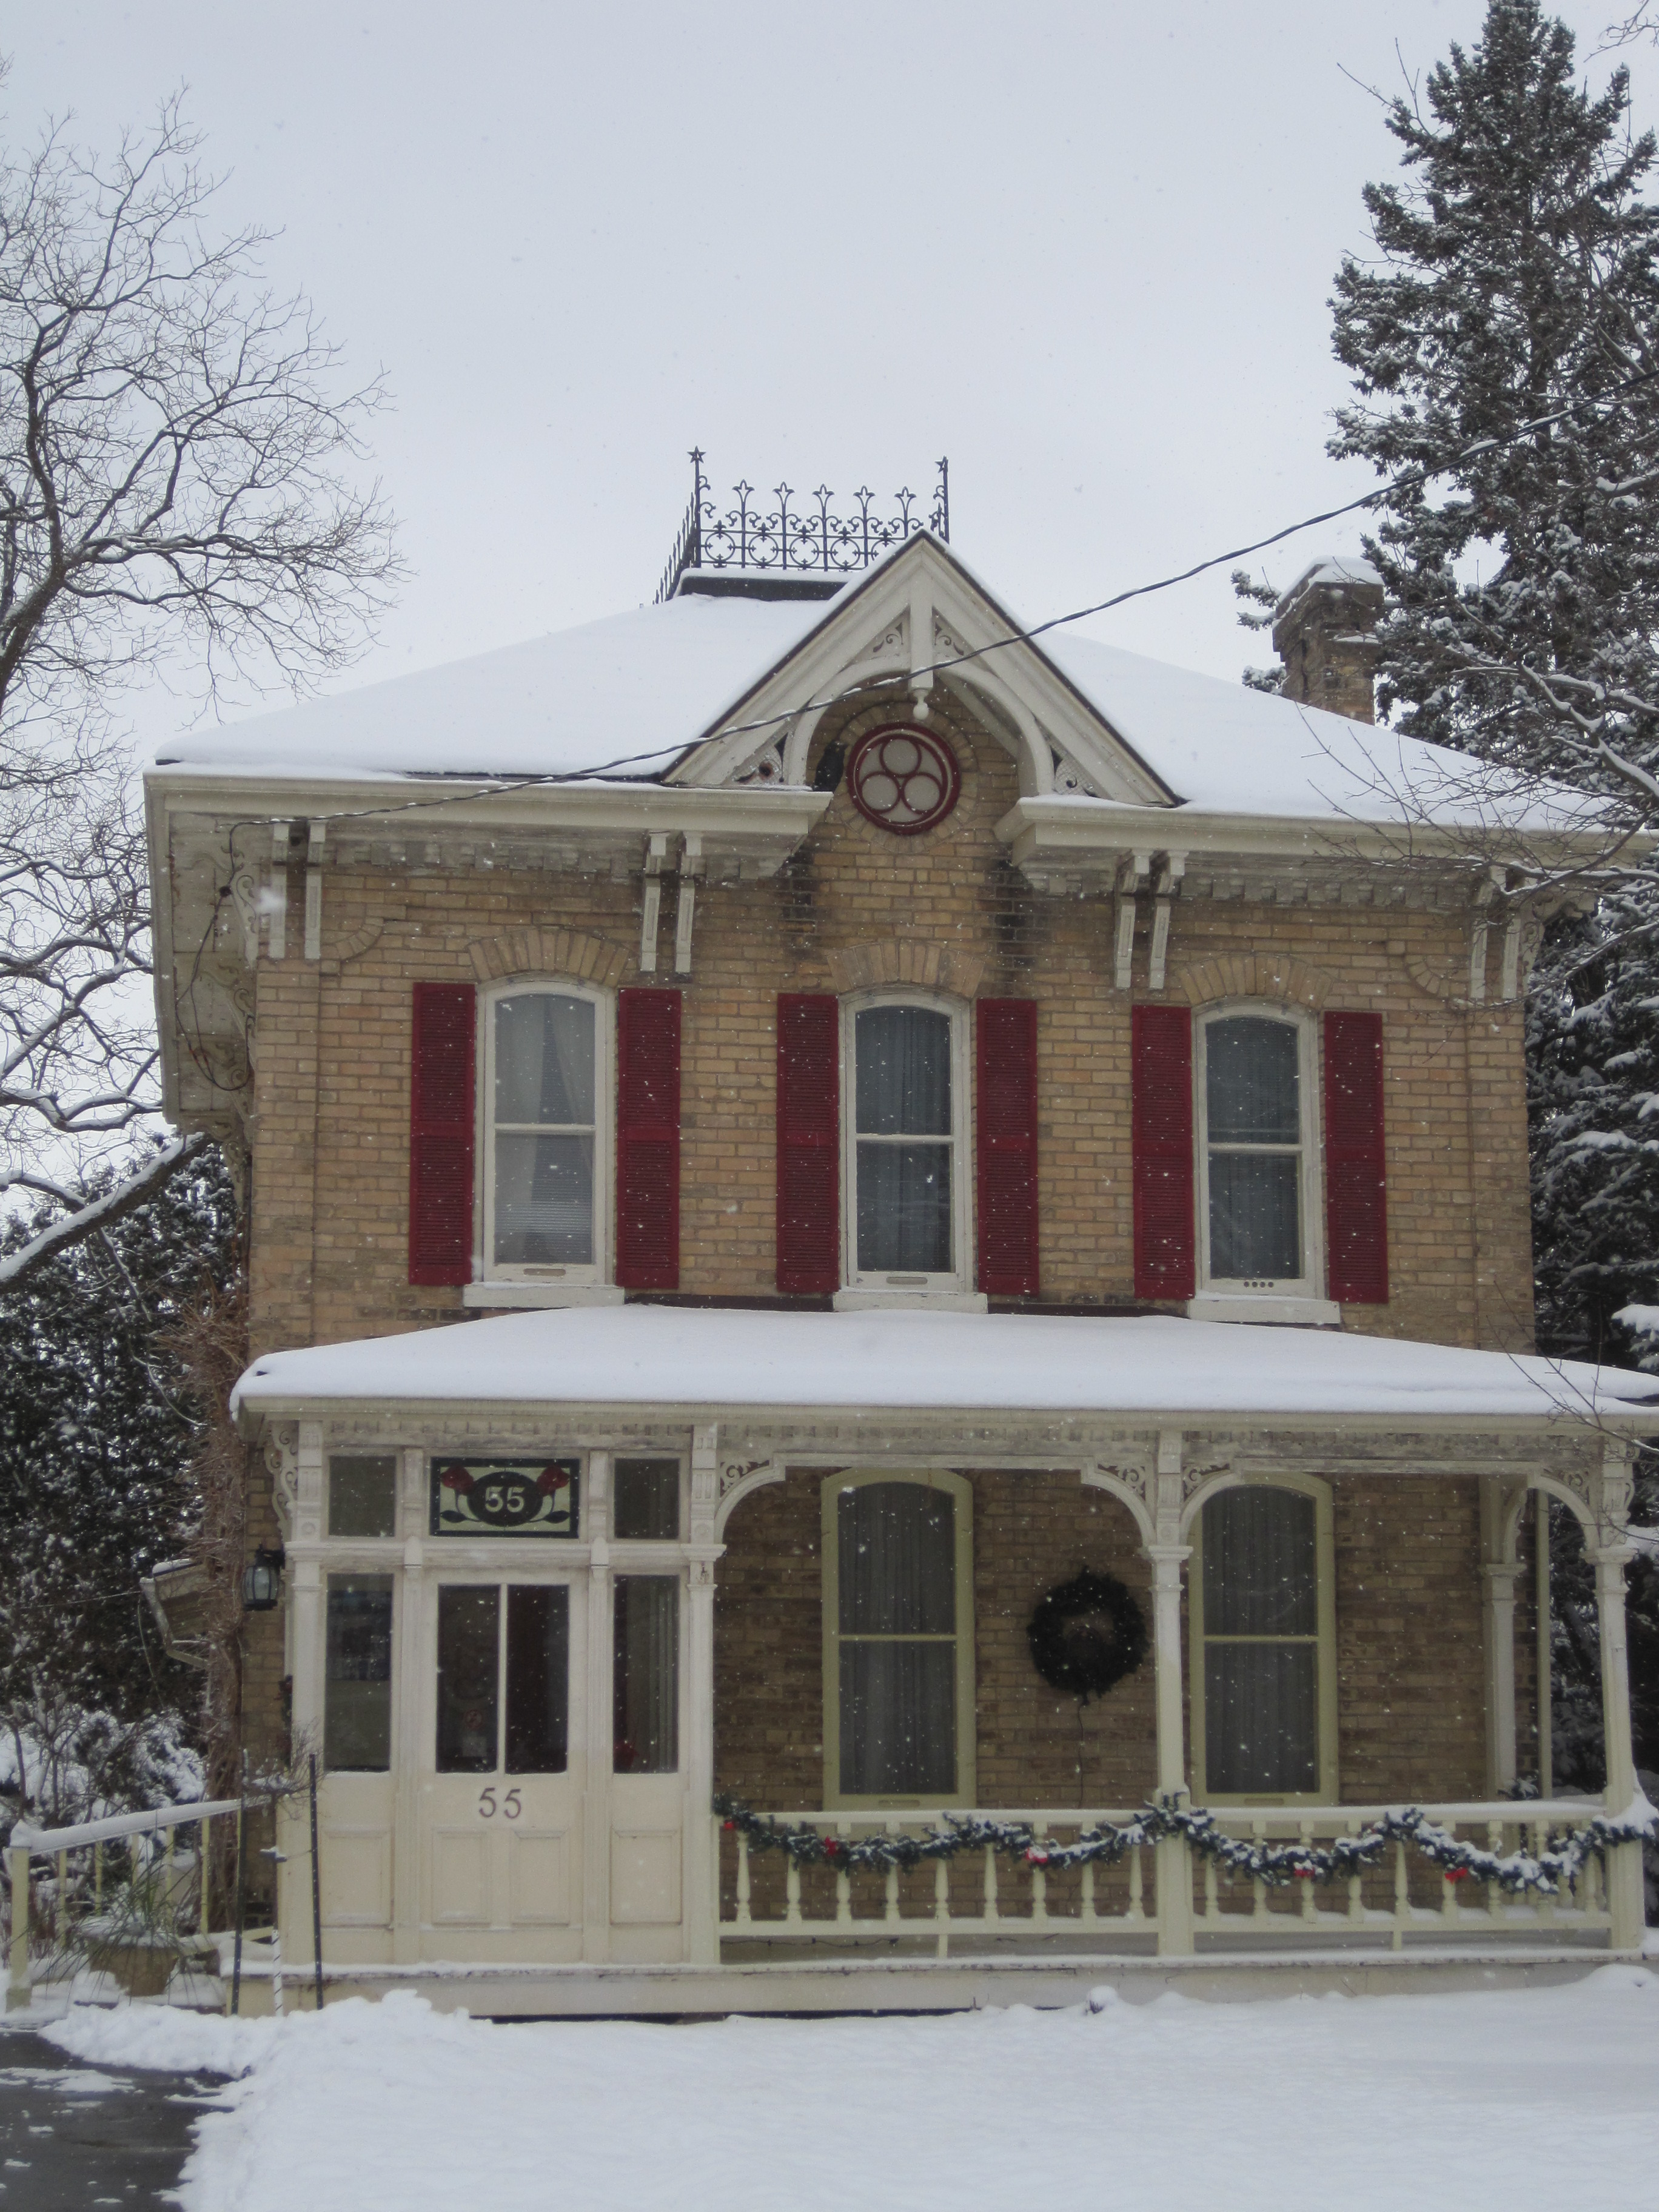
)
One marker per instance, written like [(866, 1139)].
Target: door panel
[(538, 1871), (460, 1876), (645, 1877)]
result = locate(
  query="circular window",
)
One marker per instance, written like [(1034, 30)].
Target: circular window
[(903, 779)]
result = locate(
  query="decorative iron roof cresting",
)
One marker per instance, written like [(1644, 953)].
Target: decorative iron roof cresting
[(807, 541)]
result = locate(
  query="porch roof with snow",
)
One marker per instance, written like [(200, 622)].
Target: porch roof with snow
[(1151, 1370)]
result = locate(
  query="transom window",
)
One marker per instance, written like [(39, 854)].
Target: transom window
[(905, 1188), (1263, 1635), (898, 1640), (1254, 1095), (544, 1081)]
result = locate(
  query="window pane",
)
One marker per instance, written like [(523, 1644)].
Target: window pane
[(544, 1201), (1261, 1717), (897, 1559), (362, 1497), (647, 1673), (544, 1058), (468, 1621), (1255, 1226), (647, 1499), (1251, 1082), (898, 1719), (904, 1209), (1260, 1564), (537, 1678), (357, 1691), (902, 1055)]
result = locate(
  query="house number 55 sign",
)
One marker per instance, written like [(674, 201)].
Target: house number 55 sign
[(504, 1497)]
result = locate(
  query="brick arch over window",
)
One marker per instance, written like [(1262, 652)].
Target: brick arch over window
[(906, 960), (1252, 975), (548, 953)]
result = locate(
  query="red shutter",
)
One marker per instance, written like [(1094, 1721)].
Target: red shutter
[(1005, 1032), (1162, 1097), (809, 1142), (442, 1103), (648, 1140), (1356, 1194)]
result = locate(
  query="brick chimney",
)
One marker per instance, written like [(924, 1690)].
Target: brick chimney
[(1322, 632)]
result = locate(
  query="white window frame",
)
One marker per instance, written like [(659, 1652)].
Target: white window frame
[(1253, 1298), (545, 1283), (960, 1491), (1325, 1792), (959, 1279)]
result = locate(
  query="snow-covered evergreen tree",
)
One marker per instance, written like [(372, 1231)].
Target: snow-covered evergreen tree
[(1516, 274), (96, 1432)]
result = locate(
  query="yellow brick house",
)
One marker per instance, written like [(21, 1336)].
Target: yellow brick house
[(890, 1289)]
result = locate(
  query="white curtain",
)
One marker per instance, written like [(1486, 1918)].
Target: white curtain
[(897, 1581), (1260, 1694), (902, 1085), (647, 1673), (544, 1078), (1253, 1097)]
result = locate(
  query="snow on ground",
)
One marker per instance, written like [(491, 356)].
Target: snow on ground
[(1530, 2099)]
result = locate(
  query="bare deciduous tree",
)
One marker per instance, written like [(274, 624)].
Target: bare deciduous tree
[(181, 466)]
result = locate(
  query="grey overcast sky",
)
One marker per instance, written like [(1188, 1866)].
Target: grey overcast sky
[(1086, 251)]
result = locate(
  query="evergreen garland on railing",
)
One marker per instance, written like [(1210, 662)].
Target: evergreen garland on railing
[(1552, 1870)]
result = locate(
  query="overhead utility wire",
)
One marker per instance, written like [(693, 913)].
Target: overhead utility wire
[(1410, 481)]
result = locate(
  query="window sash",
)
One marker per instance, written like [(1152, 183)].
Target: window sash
[(906, 1198), (1256, 1232), (503, 1678), (898, 1641), (568, 1159)]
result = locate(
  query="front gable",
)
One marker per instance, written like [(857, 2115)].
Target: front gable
[(918, 619)]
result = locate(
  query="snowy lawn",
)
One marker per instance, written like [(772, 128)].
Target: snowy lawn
[(1520, 2099)]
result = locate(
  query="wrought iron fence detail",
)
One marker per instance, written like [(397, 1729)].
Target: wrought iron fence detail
[(807, 539)]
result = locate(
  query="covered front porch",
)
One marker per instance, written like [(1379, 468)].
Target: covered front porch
[(811, 1765)]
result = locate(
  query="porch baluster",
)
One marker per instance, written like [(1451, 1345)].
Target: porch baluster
[(1540, 1845), (1494, 1894), (942, 1907), (1039, 1880), (1212, 1895), (1309, 1902), (1136, 1885), (741, 1917), (1258, 1887), (1402, 1898), (991, 1914), (791, 1895), (60, 1903), (1086, 1913), (1356, 1883), (844, 1888), (891, 1908), (98, 1878), (202, 1853)]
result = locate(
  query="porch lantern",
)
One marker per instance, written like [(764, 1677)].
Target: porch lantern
[(262, 1580)]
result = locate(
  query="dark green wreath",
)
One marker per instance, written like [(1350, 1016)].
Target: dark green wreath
[(1086, 1635)]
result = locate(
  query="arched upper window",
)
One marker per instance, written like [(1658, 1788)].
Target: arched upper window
[(546, 1119), (906, 1170), (1258, 1214)]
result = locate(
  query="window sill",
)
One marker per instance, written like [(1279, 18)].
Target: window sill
[(859, 1301), (1290, 1312), (503, 1297)]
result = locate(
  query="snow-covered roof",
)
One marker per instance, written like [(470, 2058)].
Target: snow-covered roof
[(656, 1356), (1332, 569), (653, 682)]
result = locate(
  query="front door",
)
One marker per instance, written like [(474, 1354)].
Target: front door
[(504, 1788)]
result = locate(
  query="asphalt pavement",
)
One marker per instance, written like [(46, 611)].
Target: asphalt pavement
[(74, 2135)]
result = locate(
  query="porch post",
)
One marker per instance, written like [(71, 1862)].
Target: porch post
[(1499, 1511), (702, 1863), (410, 1660), (1168, 1555), (1612, 1549), (600, 1717)]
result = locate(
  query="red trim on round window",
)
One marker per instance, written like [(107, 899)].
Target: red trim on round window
[(903, 779)]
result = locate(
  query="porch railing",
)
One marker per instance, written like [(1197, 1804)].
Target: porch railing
[(53, 1914), (1167, 1896)]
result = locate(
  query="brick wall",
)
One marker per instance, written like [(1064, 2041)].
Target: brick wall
[(1410, 1681), (330, 1140)]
